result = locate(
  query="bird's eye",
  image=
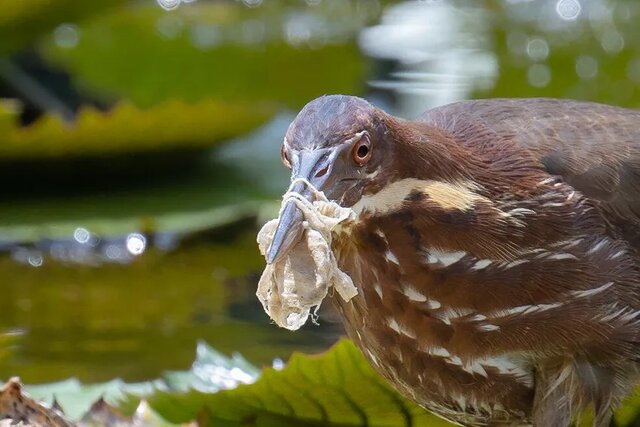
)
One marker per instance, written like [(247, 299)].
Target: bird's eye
[(285, 157), (362, 151)]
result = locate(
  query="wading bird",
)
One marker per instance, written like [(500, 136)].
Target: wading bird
[(495, 250)]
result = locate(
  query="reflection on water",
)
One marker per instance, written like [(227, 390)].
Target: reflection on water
[(135, 320), (440, 52), (116, 294)]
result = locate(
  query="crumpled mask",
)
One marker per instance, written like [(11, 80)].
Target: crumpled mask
[(293, 288)]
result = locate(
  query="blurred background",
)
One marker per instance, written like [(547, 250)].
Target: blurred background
[(139, 150)]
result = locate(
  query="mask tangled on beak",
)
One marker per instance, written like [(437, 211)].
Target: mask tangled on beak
[(293, 286)]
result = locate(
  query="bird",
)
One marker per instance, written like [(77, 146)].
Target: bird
[(494, 246)]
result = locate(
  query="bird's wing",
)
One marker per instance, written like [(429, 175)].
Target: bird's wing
[(595, 148)]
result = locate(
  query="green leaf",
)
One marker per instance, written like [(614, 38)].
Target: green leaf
[(125, 129), (206, 49), (337, 388)]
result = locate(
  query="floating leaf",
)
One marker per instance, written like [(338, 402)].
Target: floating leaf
[(335, 388), (173, 125), (128, 146), (220, 50)]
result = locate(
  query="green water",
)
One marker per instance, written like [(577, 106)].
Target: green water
[(77, 302)]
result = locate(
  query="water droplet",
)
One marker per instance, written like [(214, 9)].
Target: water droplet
[(297, 30), (205, 36), (622, 12), (252, 3), (82, 235), (253, 31), (586, 67), (66, 36), (113, 252), (278, 364), (168, 4), (612, 41), (539, 75), (169, 26), (568, 9), (633, 70), (136, 243), (538, 49), (35, 260)]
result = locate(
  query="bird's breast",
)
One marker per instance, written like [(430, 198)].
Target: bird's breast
[(459, 333)]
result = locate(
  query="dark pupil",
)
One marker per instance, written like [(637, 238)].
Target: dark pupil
[(363, 150)]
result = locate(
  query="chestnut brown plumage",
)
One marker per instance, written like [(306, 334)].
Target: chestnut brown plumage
[(495, 250)]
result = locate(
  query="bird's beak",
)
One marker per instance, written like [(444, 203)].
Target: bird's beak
[(315, 166)]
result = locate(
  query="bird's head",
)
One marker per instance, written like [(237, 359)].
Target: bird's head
[(338, 144)]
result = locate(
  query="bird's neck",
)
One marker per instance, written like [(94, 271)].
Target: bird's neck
[(425, 152), (474, 154)]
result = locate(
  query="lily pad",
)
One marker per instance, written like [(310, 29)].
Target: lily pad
[(125, 129)]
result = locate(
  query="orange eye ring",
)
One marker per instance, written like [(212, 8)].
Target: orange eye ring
[(361, 151), (285, 157)]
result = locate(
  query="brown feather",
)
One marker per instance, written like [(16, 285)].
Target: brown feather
[(595, 148)]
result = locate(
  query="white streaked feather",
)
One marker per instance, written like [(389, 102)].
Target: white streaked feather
[(481, 264), (454, 360), (433, 304), (597, 246), (475, 367), (515, 263), (562, 255), (450, 314), (444, 257), (488, 327), (617, 254), (378, 289), (591, 292), (390, 256), (393, 324), (521, 211), (524, 310), (413, 295)]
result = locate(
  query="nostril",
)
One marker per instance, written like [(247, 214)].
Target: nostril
[(322, 172)]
